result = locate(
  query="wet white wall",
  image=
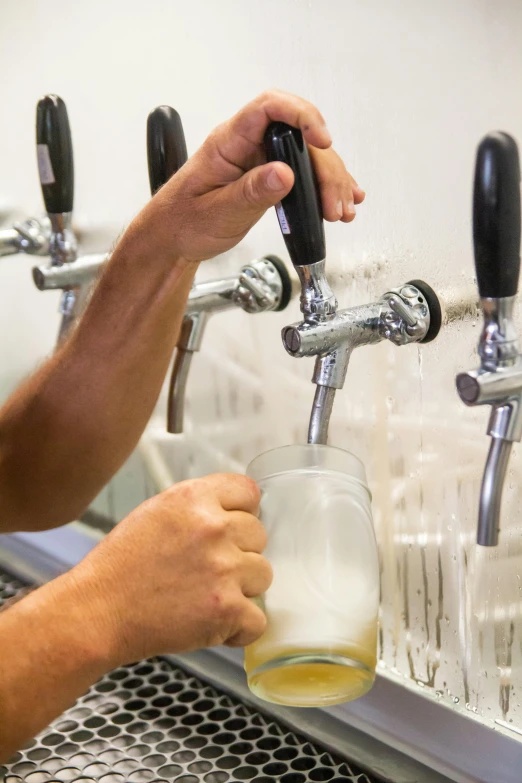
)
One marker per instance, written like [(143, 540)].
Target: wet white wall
[(408, 90)]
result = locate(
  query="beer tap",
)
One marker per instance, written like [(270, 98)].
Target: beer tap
[(498, 381), (56, 170), (408, 314)]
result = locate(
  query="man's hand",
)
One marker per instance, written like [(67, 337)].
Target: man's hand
[(226, 187), (177, 573)]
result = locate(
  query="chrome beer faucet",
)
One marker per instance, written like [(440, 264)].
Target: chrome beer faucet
[(261, 286), (56, 170), (408, 314), (498, 381)]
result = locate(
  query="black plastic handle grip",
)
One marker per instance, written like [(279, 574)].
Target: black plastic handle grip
[(496, 216), (300, 214), (166, 147), (55, 154)]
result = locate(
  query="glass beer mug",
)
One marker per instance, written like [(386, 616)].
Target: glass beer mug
[(320, 645)]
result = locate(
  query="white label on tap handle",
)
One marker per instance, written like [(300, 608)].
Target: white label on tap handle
[(285, 228), (45, 167)]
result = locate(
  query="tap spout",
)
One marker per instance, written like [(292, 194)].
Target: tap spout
[(190, 338), (177, 390), (491, 491), (321, 413)]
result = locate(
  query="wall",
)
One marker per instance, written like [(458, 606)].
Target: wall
[(408, 89)]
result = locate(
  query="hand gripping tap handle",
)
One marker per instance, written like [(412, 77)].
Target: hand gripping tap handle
[(496, 216), (166, 147), (300, 214), (55, 155)]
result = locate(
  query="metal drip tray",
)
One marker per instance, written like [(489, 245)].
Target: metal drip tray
[(153, 722)]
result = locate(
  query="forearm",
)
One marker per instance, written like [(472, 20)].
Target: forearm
[(72, 425), (55, 644)]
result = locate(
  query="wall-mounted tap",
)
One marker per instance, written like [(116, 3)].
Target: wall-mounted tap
[(56, 170), (261, 286), (498, 381), (403, 315)]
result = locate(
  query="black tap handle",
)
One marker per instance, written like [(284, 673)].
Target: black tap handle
[(496, 216), (166, 147), (300, 214), (55, 154)]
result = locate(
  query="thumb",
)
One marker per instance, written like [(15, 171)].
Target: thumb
[(262, 187)]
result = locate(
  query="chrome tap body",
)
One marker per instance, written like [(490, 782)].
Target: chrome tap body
[(403, 315), (77, 273), (498, 381), (261, 286)]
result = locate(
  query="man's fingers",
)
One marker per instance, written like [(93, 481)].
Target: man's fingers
[(234, 492), (358, 193), (251, 625), (333, 199), (255, 574), (284, 107), (339, 191), (247, 532), (239, 141), (262, 187)]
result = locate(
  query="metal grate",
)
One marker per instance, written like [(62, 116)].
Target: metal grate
[(152, 722)]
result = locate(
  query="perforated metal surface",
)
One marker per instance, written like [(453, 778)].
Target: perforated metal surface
[(153, 722)]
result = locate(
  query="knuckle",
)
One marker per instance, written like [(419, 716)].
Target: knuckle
[(222, 566), (186, 491), (250, 192), (211, 525), (267, 96)]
